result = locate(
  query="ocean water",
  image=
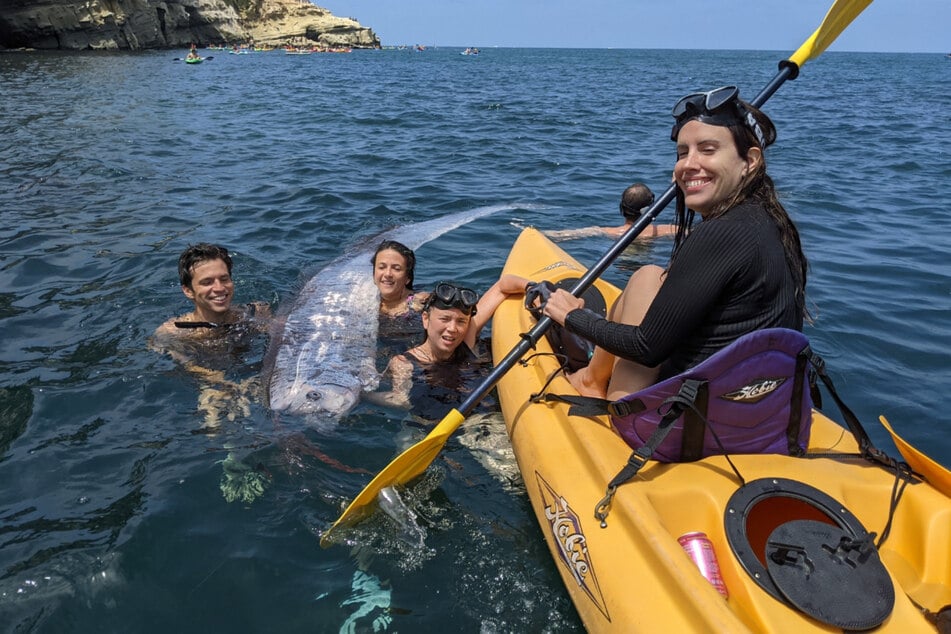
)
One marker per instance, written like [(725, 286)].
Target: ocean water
[(112, 512)]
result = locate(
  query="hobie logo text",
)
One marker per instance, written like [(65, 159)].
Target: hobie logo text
[(754, 392)]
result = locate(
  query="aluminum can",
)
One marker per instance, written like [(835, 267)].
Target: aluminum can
[(700, 549)]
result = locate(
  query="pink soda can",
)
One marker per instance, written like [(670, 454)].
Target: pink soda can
[(700, 549)]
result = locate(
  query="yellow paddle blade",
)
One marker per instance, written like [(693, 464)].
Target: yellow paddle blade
[(839, 16), (404, 468), (934, 473)]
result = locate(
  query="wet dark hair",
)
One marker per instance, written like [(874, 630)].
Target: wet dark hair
[(198, 253), (634, 199), (403, 250), (759, 187)]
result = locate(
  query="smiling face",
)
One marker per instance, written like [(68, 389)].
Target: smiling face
[(390, 274), (211, 289), (709, 169), (445, 330)]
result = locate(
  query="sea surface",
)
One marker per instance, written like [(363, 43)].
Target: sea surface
[(112, 513)]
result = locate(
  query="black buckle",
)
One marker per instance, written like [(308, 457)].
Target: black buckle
[(621, 409), (640, 457)]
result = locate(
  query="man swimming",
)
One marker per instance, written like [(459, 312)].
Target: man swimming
[(204, 339), (204, 271), (210, 340)]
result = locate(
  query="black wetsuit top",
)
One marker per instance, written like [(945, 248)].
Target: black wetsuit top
[(397, 333), (221, 346), (439, 387), (728, 278)]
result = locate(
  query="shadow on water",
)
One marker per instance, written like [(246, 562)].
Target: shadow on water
[(16, 408)]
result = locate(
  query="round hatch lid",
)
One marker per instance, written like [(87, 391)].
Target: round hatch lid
[(758, 508), (830, 574)]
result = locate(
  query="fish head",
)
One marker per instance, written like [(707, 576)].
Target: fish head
[(318, 398)]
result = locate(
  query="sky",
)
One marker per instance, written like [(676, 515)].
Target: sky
[(905, 26)]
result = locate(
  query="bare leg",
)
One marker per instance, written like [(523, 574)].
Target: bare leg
[(607, 376)]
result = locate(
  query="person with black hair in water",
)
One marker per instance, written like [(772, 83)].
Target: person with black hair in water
[(206, 339), (394, 271), (634, 200), (444, 367), (204, 271)]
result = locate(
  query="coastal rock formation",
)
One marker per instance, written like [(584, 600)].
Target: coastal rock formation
[(144, 24), (114, 24), (297, 21)]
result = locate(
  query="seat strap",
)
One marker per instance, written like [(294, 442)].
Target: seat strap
[(869, 451), (795, 406), (695, 424), (592, 406), (685, 398)]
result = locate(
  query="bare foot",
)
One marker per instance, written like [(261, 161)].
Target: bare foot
[(586, 386)]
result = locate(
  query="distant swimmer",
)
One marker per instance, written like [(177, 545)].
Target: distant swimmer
[(634, 201)]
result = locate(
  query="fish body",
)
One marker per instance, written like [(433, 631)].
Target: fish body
[(323, 356), (328, 341)]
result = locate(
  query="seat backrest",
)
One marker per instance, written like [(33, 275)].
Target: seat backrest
[(755, 396)]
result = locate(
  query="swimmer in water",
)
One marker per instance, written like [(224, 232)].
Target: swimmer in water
[(204, 271), (394, 268), (442, 366), (634, 201)]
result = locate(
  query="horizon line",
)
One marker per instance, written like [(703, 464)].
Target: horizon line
[(653, 48)]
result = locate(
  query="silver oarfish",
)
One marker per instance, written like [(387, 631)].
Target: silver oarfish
[(324, 355)]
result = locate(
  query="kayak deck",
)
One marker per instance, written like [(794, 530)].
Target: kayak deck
[(633, 575)]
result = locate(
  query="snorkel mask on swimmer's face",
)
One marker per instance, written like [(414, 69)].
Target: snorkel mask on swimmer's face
[(446, 296), (720, 106)]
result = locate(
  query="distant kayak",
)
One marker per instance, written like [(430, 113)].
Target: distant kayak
[(194, 60)]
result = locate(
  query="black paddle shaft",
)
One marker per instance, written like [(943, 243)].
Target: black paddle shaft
[(787, 70)]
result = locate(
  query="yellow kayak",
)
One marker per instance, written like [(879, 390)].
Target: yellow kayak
[(633, 575)]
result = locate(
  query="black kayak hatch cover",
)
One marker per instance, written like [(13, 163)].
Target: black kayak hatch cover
[(829, 574)]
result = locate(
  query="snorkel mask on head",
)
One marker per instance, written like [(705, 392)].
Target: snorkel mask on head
[(446, 296), (635, 200), (721, 106)]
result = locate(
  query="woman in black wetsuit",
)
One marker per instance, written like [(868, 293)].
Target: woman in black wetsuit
[(741, 269)]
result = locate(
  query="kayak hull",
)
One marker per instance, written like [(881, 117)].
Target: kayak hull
[(633, 575)]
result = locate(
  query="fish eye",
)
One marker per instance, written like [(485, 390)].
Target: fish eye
[(313, 395)]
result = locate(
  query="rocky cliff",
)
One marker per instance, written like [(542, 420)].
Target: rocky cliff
[(143, 24)]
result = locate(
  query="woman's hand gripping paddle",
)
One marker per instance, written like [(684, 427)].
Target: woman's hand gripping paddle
[(417, 458)]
